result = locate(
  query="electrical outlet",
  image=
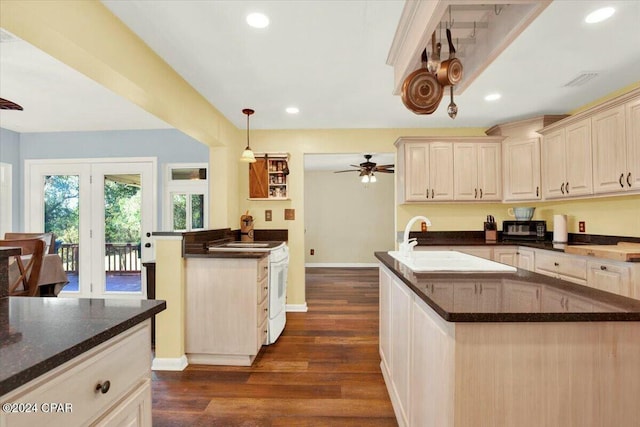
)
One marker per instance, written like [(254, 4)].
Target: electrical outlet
[(581, 227), (267, 215), (312, 251), (289, 214)]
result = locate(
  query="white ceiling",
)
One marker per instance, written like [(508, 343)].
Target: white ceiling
[(328, 59)]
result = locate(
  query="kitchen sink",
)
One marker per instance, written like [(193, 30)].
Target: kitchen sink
[(449, 261)]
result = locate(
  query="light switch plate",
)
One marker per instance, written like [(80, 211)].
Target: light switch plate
[(289, 214), (267, 215)]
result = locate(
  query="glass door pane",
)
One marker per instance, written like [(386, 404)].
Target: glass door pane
[(62, 217), (122, 233)]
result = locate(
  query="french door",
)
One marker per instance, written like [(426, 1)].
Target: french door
[(102, 212)]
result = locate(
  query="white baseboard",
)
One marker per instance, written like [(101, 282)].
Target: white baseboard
[(169, 364), (342, 264), (296, 308)]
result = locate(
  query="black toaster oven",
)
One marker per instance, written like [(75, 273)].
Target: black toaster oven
[(524, 230)]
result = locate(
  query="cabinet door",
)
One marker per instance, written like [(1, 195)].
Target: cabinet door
[(441, 170), (416, 172), (258, 180), (488, 297), (632, 179), (465, 165), (578, 159), (610, 277), (521, 160), (609, 151), (385, 318), (554, 154), (519, 297), (134, 411), (553, 301), (489, 172), (526, 259), (506, 256), (400, 351), (464, 297)]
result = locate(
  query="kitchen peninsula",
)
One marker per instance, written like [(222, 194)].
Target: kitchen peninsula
[(87, 360), (506, 349)]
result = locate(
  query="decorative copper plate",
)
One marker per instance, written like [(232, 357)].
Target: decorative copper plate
[(421, 92)]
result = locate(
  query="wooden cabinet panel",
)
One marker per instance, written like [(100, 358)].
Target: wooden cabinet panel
[(610, 277), (521, 160), (526, 259), (553, 155), (441, 170), (578, 162), (609, 151), (258, 187), (401, 298), (506, 255), (465, 160), (489, 171), (517, 297), (385, 318), (633, 145), (416, 172)]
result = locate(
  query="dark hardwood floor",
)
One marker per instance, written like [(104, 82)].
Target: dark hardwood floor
[(323, 371)]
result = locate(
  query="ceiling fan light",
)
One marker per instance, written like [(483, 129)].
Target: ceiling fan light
[(373, 178), (365, 179)]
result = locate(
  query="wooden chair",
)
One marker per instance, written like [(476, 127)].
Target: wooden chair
[(29, 274), (49, 239)]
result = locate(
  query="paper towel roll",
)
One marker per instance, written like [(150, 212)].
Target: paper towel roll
[(560, 229)]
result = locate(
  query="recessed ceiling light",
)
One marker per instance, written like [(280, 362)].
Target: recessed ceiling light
[(599, 15), (258, 20), (492, 97), (292, 110)]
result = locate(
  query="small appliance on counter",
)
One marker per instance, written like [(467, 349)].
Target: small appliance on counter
[(490, 229), (524, 230), (246, 228)]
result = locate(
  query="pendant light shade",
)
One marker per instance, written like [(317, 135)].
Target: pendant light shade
[(247, 154)]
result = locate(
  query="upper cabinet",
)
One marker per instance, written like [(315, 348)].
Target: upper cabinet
[(447, 169), (566, 161), (428, 171), (477, 171), (594, 152), (268, 177)]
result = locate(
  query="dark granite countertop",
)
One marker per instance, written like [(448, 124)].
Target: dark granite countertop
[(456, 297), (230, 254), (39, 334)]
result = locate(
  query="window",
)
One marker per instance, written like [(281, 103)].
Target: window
[(186, 197)]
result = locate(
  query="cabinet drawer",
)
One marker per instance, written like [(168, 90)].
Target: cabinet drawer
[(263, 288), (262, 311), (123, 361), (263, 267), (573, 267), (262, 335), (546, 262)]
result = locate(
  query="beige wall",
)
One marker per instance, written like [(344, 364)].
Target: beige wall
[(346, 220), (618, 216)]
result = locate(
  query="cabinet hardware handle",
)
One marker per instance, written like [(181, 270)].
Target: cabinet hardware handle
[(147, 245), (432, 193), (481, 193), (603, 267), (566, 188), (562, 302), (475, 193), (537, 191), (537, 293), (104, 387), (556, 264), (266, 287), (562, 188), (481, 289), (266, 309), (629, 179), (475, 288), (620, 180), (427, 193)]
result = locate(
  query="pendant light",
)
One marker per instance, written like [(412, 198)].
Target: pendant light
[(247, 154)]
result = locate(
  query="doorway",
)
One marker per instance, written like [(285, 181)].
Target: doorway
[(102, 212)]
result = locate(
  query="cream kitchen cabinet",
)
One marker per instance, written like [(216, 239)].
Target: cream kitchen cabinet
[(226, 309), (611, 276), (108, 385), (521, 165), (476, 296), (428, 171), (520, 298), (477, 171), (515, 256), (616, 149), (556, 301), (567, 163), (561, 266)]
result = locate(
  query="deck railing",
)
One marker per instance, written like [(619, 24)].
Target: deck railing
[(119, 257)]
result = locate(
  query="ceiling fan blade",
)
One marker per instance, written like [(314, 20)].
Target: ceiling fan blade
[(385, 166), (348, 170), (385, 171)]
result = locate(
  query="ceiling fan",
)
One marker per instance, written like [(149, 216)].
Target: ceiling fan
[(5, 104), (367, 169)]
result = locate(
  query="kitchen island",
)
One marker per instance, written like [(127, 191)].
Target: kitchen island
[(74, 362), (507, 349)]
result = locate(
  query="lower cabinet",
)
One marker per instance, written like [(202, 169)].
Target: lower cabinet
[(519, 298), (611, 277), (121, 366), (226, 309), (561, 266)]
